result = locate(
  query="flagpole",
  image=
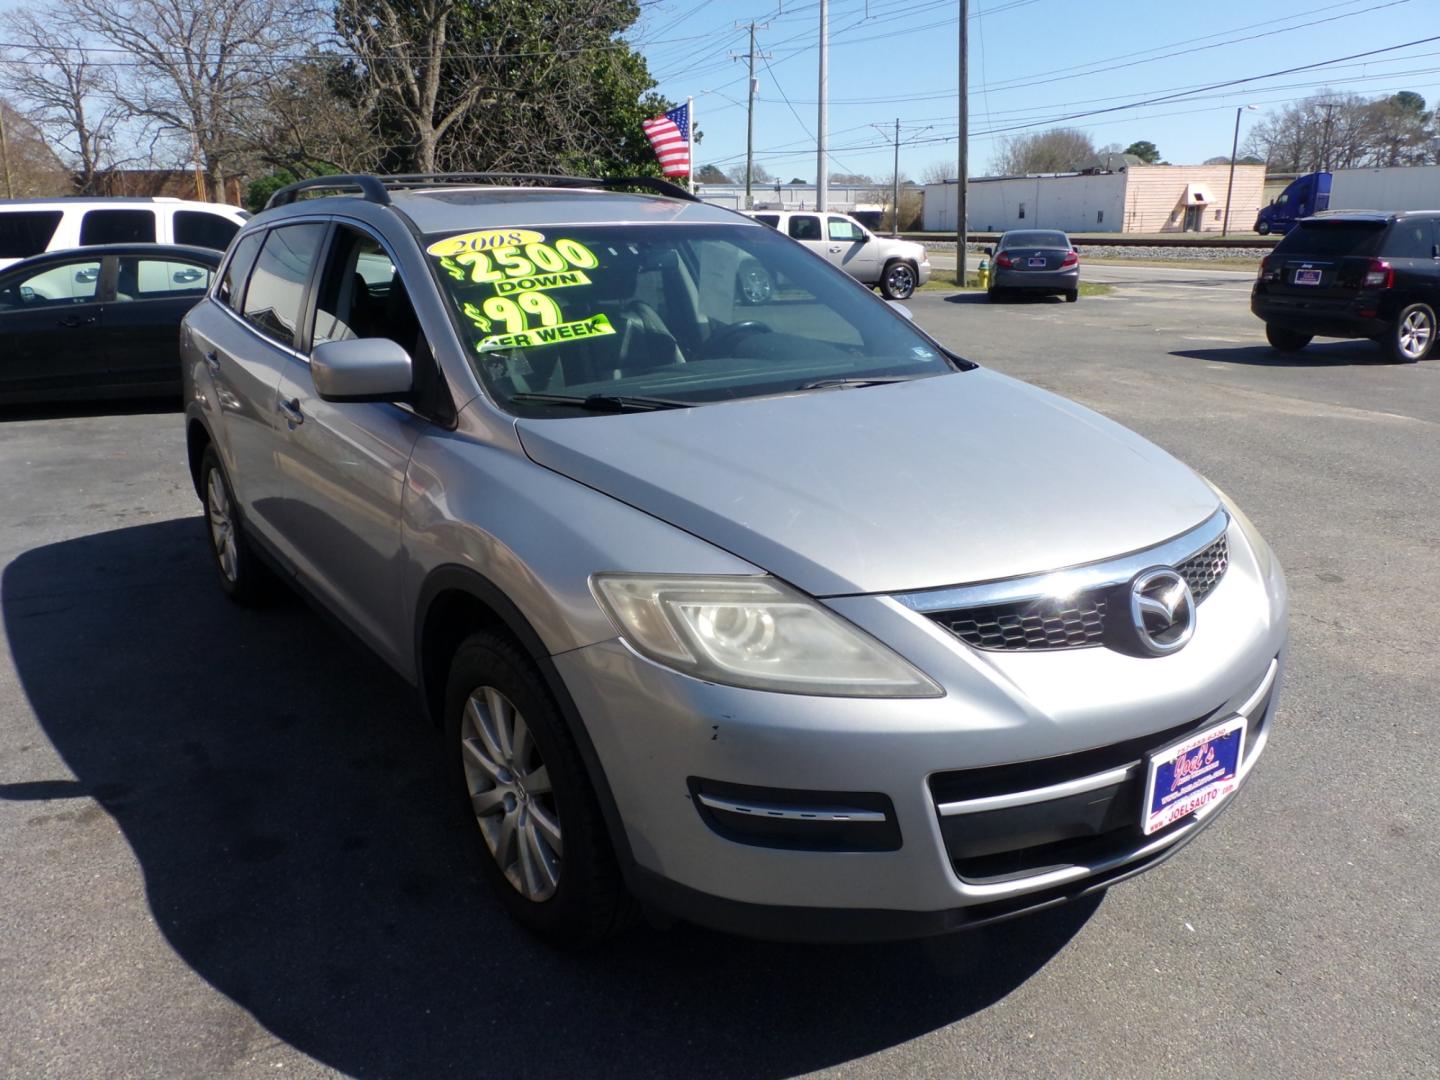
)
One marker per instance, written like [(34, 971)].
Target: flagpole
[(690, 135)]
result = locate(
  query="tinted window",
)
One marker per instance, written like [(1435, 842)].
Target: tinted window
[(804, 227), (1333, 238), (68, 283), (362, 296), (843, 229), (773, 220), (117, 227), (160, 279), (232, 285), (26, 232), (697, 313), (1411, 238), (276, 290), (1035, 239), (204, 229)]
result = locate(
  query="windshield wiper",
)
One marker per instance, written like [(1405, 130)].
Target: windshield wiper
[(604, 402), (828, 384)]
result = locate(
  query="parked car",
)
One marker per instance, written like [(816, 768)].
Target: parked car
[(896, 267), (1354, 275), (763, 615), (99, 321), (34, 226), (1034, 261)]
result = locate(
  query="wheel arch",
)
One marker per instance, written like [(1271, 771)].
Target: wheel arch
[(456, 602), (197, 438)]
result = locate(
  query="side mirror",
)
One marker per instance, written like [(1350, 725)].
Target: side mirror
[(990, 251), (902, 309), (863, 238), (361, 369)]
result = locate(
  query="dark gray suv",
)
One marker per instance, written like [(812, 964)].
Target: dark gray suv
[(777, 616)]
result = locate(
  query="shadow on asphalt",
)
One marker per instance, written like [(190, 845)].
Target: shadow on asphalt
[(287, 808), (1327, 354), (978, 297), (62, 410)]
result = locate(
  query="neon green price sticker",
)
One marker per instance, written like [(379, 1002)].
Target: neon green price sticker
[(578, 330), (516, 267)]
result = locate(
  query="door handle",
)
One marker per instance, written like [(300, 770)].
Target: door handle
[(291, 411), (75, 320), (836, 249), (212, 361)]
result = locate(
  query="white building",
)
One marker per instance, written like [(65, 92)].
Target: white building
[(1133, 198), (842, 198)]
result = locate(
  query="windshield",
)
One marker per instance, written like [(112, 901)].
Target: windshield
[(685, 313), (1034, 240), (1333, 238)]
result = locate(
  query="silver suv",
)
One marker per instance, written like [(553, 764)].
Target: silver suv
[(779, 618), (896, 267)]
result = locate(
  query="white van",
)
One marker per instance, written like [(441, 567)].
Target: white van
[(32, 226)]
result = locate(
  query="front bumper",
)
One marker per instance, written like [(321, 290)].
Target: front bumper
[(922, 271), (1036, 280), (661, 738)]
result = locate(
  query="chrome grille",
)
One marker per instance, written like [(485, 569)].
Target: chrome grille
[(1073, 622)]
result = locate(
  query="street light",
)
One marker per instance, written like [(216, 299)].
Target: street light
[(1234, 149)]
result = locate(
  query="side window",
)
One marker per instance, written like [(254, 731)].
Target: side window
[(160, 279), (773, 220), (1410, 238), (361, 295), (68, 283), (804, 227), (843, 229), (276, 291), (27, 232), (237, 270), (203, 229), (117, 227)]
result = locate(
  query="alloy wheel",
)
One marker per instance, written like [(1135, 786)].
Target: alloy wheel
[(900, 281), (1415, 333), (511, 794), (222, 525)]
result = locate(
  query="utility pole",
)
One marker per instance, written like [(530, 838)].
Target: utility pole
[(822, 178), (750, 111), (1234, 149), (5, 155), (1329, 108), (963, 192), (895, 178)]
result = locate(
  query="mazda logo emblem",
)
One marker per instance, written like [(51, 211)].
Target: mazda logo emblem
[(1162, 611)]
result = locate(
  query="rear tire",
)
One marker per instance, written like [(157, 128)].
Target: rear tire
[(543, 843), (243, 577), (995, 295), (1285, 341), (1072, 296), (1412, 338)]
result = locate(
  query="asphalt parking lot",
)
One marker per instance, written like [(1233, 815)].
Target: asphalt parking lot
[(223, 851)]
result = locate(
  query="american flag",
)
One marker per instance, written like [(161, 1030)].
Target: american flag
[(670, 136)]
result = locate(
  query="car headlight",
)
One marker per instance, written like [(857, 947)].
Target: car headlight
[(753, 632), (1264, 557)]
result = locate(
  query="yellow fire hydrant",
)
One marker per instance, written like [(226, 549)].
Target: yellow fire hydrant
[(982, 273)]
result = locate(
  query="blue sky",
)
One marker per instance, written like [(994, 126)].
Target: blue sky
[(1031, 63)]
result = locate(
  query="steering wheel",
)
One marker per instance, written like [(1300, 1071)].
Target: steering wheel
[(735, 331)]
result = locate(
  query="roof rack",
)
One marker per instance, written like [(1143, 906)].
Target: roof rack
[(376, 189)]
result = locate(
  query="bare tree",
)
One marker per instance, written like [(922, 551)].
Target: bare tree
[(317, 115), (401, 45), (196, 67), (1056, 150), (937, 172), (65, 92), (28, 167)]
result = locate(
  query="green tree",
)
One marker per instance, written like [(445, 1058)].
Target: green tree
[(711, 174), (1145, 150)]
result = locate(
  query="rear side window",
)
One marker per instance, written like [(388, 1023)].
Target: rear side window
[(1411, 238), (204, 229), (237, 270), (1333, 238), (805, 227), (773, 220), (276, 292), (27, 232), (117, 227)]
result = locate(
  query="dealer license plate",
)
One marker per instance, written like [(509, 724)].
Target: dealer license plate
[(1036, 260), (1193, 774), (1307, 277)]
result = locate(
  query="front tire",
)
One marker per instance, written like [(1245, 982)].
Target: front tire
[(243, 578), (1413, 336), (1285, 341), (898, 280), (544, 847)]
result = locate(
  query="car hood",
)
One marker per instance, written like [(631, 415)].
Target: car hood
[(965, 477)]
